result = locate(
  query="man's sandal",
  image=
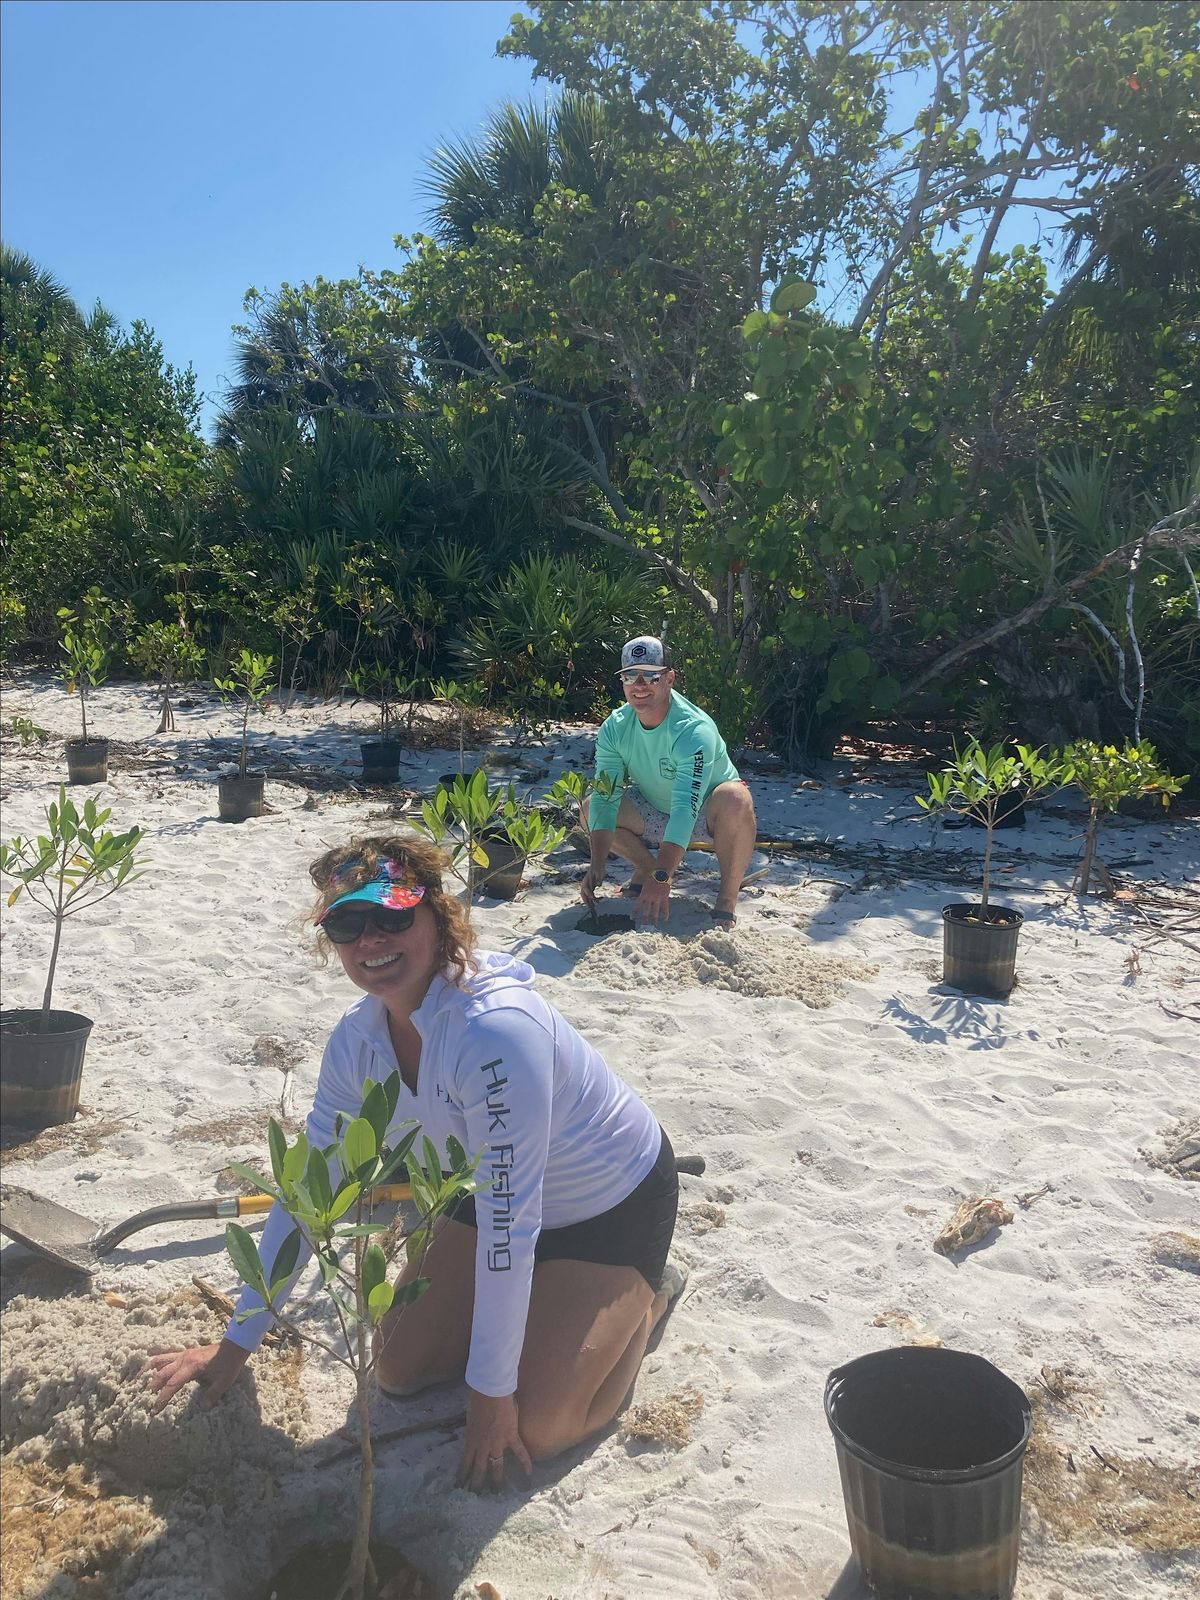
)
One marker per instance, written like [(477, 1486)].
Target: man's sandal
[(723, 919)]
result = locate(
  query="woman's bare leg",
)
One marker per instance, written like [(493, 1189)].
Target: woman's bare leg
[(427, 1342), (584, 1340)]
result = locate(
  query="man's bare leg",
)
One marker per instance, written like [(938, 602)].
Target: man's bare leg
[(733, 825), (628, 842)]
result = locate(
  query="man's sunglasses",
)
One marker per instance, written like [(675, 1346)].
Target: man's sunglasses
[(348, 923), (643, 675)]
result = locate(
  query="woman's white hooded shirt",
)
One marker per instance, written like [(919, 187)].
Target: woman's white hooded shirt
[(561, 1137)]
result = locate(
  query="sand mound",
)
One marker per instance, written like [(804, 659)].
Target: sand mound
[(72, 1391), (745, 961), (115, 1503)]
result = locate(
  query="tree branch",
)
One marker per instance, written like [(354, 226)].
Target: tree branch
[(682, 580), (1178, 532)]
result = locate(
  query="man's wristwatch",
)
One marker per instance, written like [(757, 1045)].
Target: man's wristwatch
[(660, 876)]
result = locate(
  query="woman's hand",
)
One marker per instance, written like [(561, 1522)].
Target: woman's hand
[(214, 1366), (491, 1432)]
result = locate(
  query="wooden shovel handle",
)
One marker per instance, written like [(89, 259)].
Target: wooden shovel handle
[(254, 1205)]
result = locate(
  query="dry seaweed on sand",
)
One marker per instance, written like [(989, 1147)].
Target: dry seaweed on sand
[(667, 1421), (976, 1217), (1175, 1249), (60, 1520), (1084, 1497)]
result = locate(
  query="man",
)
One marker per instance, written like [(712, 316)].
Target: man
[(672, 784)]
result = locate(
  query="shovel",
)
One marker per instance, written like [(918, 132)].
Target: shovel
[(75, 1242)]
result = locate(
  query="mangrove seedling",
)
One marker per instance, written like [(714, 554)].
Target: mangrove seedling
[(249, 681), (978, 780), (462, 815), (326, 1192), (70, 868), (87, 644), (1107, 776)]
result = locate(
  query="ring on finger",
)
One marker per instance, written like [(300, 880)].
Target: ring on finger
[(495, 1461)]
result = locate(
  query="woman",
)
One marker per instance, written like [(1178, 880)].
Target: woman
[(544, 1286)]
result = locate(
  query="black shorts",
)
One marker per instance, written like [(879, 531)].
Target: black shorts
[(636, 1232)]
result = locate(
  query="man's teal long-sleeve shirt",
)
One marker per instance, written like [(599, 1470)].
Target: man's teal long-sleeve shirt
[(676, 766)]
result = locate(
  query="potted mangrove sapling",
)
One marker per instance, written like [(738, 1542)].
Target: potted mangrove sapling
[(490, 834), (381, 755), (68, 869), (979, 939), (87, 645), (1107, 776), (326, 1192), (249, 681)]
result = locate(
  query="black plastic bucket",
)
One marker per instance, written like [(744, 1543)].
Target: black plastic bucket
[(87, 760), (979, 949), (381, 761), (240, 798), (40, 1073), (930, 1445), (501, 878)]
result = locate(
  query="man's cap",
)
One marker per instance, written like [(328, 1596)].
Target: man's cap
[(644, 651), (392, 886)]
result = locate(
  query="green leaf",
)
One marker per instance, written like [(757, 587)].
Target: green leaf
[(277, 1142), (376, 1113), (243, 1252), (347, 1194), (256, 1178), (793, 295), (360, 1141), (296, 1160), (285, 1262), (406, 1293), (374, 1268), (379, 1302)]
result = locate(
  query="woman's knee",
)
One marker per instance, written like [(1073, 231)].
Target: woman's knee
[(547, 1434)]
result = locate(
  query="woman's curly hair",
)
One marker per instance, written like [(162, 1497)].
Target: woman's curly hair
[(356, 863)]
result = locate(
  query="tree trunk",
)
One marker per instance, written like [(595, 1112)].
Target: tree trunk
[(360, 1551), (1083, 872), (987, 857), (58, 928)]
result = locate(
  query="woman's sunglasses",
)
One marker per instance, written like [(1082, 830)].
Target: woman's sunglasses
[(348, 923), (641, 675)]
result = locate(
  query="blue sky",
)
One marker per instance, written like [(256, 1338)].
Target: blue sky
[(165, 157)]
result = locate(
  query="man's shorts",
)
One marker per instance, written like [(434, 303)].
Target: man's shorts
[(654, 821)]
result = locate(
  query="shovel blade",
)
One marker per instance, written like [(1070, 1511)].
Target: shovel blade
[(48, 1229)]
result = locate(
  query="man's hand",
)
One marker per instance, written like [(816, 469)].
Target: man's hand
[(492, 1431), (592, 879), (654, 902)]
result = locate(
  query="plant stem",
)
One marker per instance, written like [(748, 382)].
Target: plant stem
[(245, 725), (1084, 872), (58, 928), (83, 703), (360, 1551), (990, 816)]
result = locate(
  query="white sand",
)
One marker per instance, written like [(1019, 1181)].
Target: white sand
[(845, 1102)]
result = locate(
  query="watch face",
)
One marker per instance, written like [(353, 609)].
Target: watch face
[(662, 877)]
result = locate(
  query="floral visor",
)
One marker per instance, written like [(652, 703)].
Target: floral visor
[(391, 886)]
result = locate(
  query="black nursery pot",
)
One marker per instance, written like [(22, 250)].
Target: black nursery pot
[(930, 1446), (381, 761), (501, 878), (239, 798), (40, 1071), (87, 760), (979, 948)]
